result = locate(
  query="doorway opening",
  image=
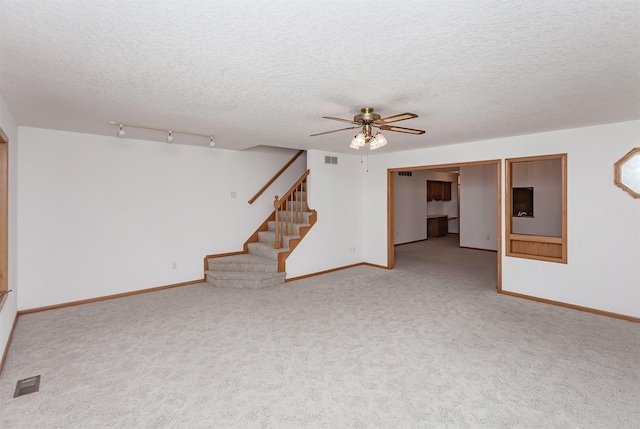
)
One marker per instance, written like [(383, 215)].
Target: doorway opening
[(487, 193)]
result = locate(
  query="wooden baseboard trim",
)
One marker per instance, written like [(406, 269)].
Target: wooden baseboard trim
[(222, 255), (6, 348), (477, 248), (409, 242), (573, 306), (375, 265), (334, 269), (104, 298)]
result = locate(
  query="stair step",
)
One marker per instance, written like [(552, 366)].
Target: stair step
[(294, 214), (245, 262), (296, 227), (243, 279), (265, 250), (269, 237)]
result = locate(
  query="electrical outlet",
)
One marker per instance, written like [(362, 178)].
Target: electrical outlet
[(233, 194), (174, 265), (488, 238)]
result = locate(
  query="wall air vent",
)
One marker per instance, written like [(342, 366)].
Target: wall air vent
[(331, 160), (27, 385), (405, 173)]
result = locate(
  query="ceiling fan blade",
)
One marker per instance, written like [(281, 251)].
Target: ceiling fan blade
[(396, 118), (401, 129), (334, 131), (348, 121)]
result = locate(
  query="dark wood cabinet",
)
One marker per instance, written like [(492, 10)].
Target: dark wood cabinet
[(438, 191), (437, 226)]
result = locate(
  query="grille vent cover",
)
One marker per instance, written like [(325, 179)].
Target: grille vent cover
[(331, 160), (27, 385)]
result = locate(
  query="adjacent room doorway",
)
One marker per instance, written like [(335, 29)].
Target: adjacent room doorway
[(491, 171)]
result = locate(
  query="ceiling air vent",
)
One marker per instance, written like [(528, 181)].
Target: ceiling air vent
[(27, 385), (405, 173), (331, 160)]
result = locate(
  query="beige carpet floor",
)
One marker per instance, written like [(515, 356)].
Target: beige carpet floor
[(429, 344)]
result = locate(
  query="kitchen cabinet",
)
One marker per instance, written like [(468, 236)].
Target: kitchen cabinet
[(437, 226), (438, 191)]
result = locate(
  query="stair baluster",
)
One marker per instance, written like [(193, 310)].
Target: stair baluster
[(292, 205)]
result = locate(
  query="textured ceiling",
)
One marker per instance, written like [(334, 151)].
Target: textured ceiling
[(265, 72)]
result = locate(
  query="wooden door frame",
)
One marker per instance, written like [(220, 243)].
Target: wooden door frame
[(4, 215), (391, 209)]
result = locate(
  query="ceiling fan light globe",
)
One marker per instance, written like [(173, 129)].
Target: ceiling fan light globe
[(354, 146), (377, 142), (359, 140)]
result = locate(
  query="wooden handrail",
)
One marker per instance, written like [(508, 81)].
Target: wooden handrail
[(290, 209), (273, 179), (293, 188)]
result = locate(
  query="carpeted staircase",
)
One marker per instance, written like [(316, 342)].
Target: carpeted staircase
[(258, 268)]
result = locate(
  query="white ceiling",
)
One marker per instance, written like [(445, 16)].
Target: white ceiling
[(264, 72)]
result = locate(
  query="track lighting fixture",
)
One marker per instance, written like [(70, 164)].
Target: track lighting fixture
[(121, 126), (120, 132)]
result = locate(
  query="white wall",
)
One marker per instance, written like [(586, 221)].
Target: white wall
[(335, 191), (478, 202), (545, 176), (602, 271), (100, 215), (10, 308), (411, 205)]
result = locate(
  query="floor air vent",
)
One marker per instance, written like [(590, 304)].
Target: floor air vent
[(26, 386)]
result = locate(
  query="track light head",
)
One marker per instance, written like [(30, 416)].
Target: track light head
[(121, 125)]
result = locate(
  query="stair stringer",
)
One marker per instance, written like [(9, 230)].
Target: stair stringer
[(245, 247), (293, 243), (254, 237)]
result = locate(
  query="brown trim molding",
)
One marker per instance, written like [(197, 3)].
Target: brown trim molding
[(107, 297), (538, 247), (409, 242), (292, 279), (4, 214), (573, 306), (617, 172), (6, 348)]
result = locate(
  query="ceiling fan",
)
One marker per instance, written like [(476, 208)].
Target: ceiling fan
[(367, 120)]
